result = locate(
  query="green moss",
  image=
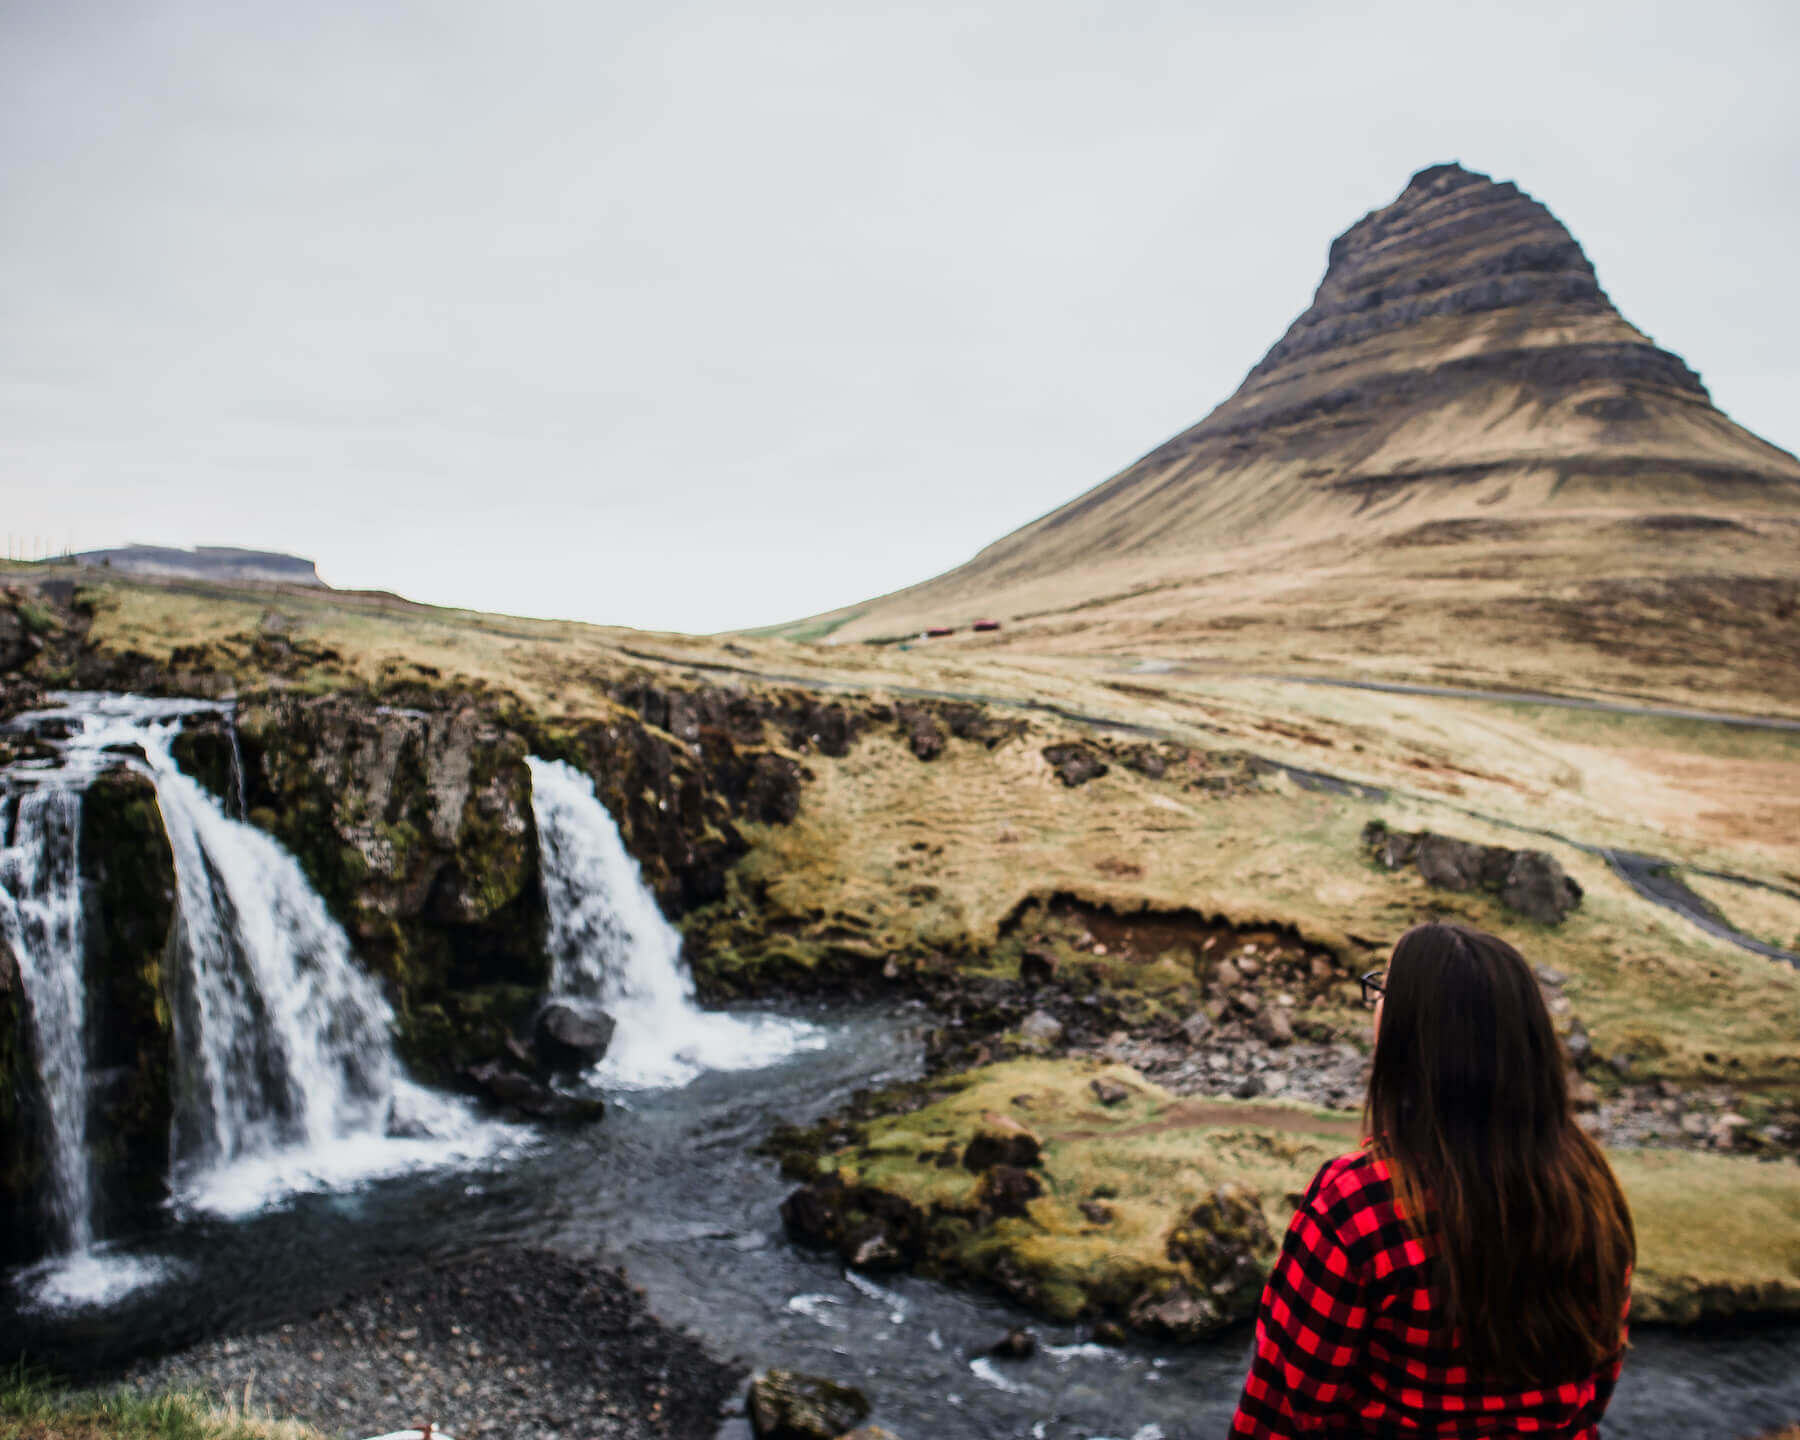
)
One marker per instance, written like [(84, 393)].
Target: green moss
[(126, 860)]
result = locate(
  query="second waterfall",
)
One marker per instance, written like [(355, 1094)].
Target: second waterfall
[(610, 944)]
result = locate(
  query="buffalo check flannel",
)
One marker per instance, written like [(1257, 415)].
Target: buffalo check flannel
[(1344, 1343)]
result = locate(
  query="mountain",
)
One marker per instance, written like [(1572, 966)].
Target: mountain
[(1461, 439), (205, 562)]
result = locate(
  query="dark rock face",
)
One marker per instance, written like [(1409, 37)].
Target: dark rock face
[(415, 826), (788, 1406), (1528, 881), (570, 1036), (1075, 763), (128, 916), (1454, 243)]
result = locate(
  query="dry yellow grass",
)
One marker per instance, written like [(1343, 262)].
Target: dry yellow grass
[(936, 856), (997, 827)]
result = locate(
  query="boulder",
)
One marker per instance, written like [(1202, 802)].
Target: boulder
[(1041, 1028), (1537, 888), (571, 1035), (1274, 1025), (868, 1228), (1225, 1240), (1007, 1190), (1015, 1344), (532, 1097), (1197, 1027), (1075, 763), (1001, 1140), (1178, 1312), (1108, 1092), (785, 1405)]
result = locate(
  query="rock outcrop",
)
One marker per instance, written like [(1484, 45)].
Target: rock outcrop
[(1530, 882)]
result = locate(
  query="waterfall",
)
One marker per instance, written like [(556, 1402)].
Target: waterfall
[(40, 922), (285, 1072), (610, 944)]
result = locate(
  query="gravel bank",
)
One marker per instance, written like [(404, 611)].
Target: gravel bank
[(512, 1344)]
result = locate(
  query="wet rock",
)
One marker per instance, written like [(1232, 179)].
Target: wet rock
[(1075, 763), (1016, 1344), (532, 1097), (789, 1406), (571, 1035), (1001, 1140), (865, 1226), (1108, 1092), (1042, 1028), (1109, 1332), (1197, 1027), (1226, 1239), (1007, 1190), (1178, 1313)]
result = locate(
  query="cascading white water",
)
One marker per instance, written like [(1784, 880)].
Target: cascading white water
[(609, 943), (40, 923), (284, 1065)]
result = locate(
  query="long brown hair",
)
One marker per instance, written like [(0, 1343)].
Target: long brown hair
[(1469, 1106)]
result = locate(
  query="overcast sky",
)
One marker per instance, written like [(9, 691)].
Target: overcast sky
[(693, 316)]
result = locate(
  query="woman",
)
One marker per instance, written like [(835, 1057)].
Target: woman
[(1466, 1272)]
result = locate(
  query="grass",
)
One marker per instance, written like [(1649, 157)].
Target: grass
[(924, 859), (33, 1408), (1152, 1157)]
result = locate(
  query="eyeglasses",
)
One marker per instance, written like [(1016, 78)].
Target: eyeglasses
[(1373, 984)]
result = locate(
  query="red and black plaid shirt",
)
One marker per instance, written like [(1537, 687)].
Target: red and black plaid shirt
[(1344, 1340)]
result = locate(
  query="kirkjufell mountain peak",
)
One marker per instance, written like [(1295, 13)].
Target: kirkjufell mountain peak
[(1461, 426)]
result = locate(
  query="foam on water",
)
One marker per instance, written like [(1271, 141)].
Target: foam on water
[(609, 943), (91, 1279)]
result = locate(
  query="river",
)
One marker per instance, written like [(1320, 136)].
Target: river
[(666, 1185)]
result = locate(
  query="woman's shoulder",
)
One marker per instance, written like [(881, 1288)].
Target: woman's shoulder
[(1357, 1176), (1348, 1189)]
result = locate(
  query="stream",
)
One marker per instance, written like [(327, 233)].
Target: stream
[(666, 1186)]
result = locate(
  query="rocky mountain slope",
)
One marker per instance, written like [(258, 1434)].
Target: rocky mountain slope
[(1461, 435)]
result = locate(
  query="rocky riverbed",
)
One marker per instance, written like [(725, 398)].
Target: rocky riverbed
[(513, 1343)]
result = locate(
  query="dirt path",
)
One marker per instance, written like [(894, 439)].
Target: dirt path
[(1201, 1114), (1535, 697)]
